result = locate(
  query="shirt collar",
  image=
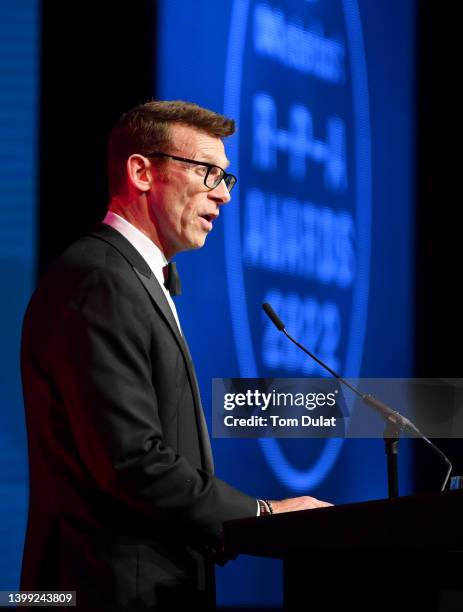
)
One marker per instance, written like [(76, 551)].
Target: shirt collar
[(150, 252)]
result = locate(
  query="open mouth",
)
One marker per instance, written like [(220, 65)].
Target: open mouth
[(208, 218)]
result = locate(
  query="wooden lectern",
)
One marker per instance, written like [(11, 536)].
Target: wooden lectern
[(394, 554)]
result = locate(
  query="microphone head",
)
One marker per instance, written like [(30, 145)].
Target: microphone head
[(272, 315)]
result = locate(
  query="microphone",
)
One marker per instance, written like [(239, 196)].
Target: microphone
[(394, 418), (273, 317)]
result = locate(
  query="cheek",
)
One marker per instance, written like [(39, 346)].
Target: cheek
[(189, 210), (178, 210)]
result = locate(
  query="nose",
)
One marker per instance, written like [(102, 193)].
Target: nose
[(220, 194)]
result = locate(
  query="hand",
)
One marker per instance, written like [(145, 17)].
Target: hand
[(297, 503)]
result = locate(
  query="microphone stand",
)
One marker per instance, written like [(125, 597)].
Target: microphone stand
[(395, 422), (391, 447)]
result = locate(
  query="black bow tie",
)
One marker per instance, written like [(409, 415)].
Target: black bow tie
[(172, 279)]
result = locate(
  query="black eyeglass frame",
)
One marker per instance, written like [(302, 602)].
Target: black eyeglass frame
[(229, 179)]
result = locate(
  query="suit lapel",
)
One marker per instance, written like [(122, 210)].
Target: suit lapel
[(150, 283), (202, 425), (157, 295)]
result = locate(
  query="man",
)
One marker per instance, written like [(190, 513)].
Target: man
[(124, 506)]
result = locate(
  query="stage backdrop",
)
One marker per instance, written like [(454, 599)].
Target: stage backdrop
[(18, 182), (321, 224)]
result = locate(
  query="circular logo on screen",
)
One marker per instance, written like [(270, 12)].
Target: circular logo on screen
[(297, 234)]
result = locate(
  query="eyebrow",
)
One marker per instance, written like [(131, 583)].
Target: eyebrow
[(206, 158)]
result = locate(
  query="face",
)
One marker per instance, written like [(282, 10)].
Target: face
[(182, 208)]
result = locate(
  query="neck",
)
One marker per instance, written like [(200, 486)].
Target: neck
[(137, 213)]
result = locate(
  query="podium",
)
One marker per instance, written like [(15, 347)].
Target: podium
[(395, 554)]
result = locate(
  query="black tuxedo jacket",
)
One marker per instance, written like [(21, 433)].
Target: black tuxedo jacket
[(124, 506)]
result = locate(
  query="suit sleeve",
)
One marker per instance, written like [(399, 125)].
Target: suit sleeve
[(103, 367)]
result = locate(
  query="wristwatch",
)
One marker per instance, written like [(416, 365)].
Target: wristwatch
[(265, 507)]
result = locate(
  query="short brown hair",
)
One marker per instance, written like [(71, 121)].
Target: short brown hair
[(146, 128)]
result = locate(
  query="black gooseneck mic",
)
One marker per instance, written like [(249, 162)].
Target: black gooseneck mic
[(396, 421)]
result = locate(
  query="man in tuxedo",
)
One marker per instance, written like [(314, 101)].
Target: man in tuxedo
[(125, 508)]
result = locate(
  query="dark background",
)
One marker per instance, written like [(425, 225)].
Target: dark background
[(90, 76), (97, 59)]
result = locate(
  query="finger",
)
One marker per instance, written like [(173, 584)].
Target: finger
[(318, 503)]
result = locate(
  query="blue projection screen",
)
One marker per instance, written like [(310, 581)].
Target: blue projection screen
[(320, 224), (19, 58)]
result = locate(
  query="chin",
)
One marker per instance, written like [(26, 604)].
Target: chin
[(198, 243)]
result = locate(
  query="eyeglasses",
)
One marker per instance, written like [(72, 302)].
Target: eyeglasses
[(214, 174)]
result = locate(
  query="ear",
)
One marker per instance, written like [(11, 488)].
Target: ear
[(139, 172)]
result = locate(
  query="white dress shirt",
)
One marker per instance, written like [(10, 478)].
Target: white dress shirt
[(150, 252)]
